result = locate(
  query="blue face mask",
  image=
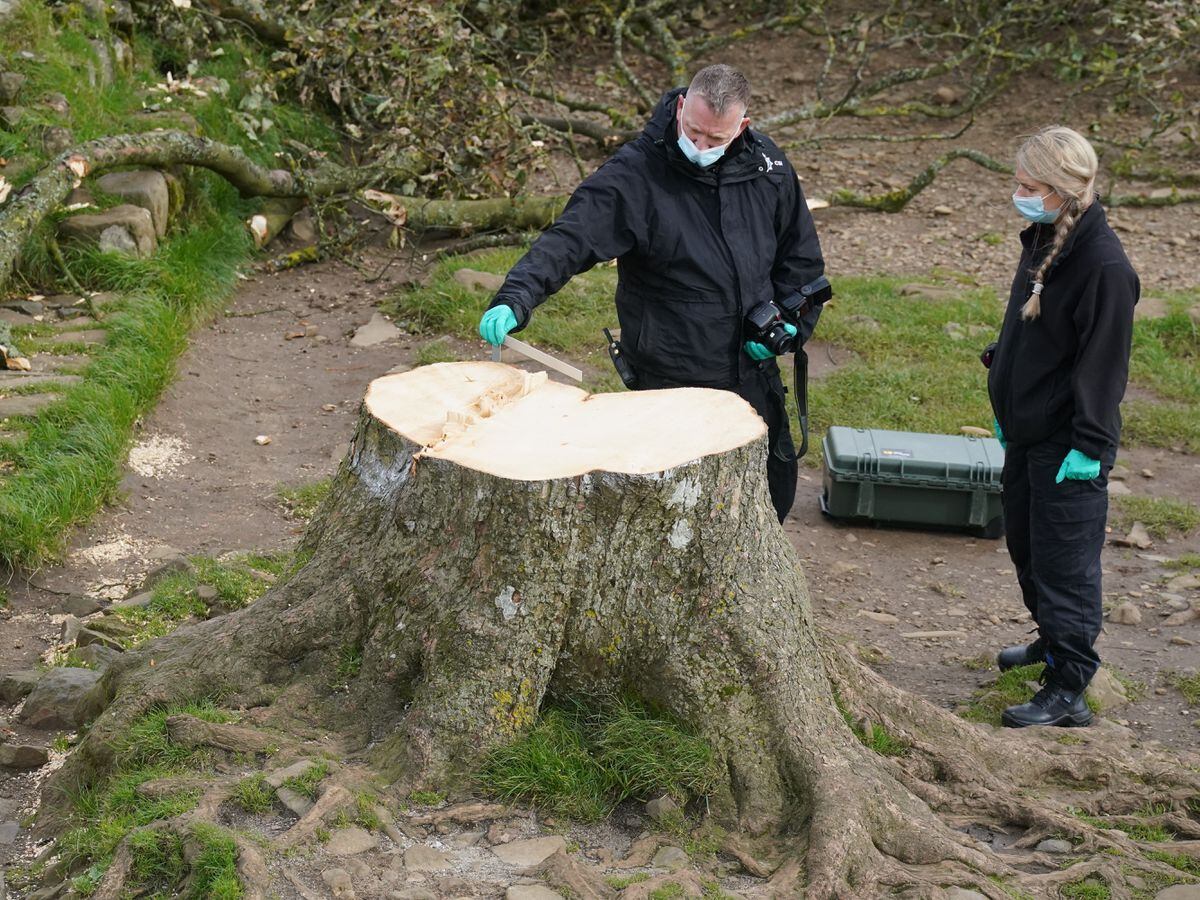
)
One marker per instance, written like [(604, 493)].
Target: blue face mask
[(702, 158), (1034, 209)]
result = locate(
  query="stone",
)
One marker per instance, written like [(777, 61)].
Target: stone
[(1118, 489), (672, 858), (377, 331), (56, 139), (25, 404), (413, 893), (474, 280), (880, 617), (10, 86), (104, 58), (1183, 583), (10, 116), (8, 835), (531, 892), (88, 637), (104, 229), (277, 777), (167, 561), (947, 96), (63, 699), (1105, 691), (1054, 845), (70, 629), (530, 852), (1126, 614), (1181, 618), (350, 841), (1179, 892), (943, 210), (1118, 473), (137, 600), (22, 756), (302, 228), (957, 893), (419, 858), (294, 801), (99, 656), (466, 839), (339, 882), (662, 807), (57, 103), (146, 188), (1138, 537), (16, 686)]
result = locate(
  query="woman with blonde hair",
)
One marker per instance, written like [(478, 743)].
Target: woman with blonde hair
[(1056, 378)]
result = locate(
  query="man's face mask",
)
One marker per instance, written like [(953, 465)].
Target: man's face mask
[(1034, 209), (702, 158)]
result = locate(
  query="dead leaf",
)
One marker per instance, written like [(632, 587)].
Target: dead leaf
[(394, 209), (78, 165), (5, 188)]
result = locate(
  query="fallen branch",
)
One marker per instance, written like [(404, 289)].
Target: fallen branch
[(894, 201), (594, 130)]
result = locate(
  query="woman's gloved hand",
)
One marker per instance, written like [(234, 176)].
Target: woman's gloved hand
[(496, 323), (1077, 467), (999, 434), (755, 350)]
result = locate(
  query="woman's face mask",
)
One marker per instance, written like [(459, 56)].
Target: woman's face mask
[(1034, 208)]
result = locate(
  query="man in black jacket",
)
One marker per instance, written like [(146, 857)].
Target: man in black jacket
[(706, 220)]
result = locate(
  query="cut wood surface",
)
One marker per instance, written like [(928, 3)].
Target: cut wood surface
[(513, 424)]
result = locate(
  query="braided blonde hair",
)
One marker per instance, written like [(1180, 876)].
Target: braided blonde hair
[(1063, 159)]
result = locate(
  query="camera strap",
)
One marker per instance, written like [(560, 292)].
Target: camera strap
[(800, 382)]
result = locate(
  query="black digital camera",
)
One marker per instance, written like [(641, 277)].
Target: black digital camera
[(765, 322)]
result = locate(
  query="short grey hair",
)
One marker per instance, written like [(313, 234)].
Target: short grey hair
[(722, 87)]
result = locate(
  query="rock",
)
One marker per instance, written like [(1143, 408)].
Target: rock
[(16, 686), (928, 291), (529, 852), (1181, 642), (957, 893), (22, 756), (947, 96), (1054, 845), (71, 626), (10, 116), (943, 211), (98, 655), (672, 858), (1118, 489), (10, 86), (500, 833), (25, 404), (419, 858), (137, 600), (1126, 614), (8, 835), (531, 892), (167, 561), (1118, 473), (662, 807), (1179, 892), (466, 839), (141, 187), (63, 699), (206, 594), (881, 617), (1106, 691), (338, 882), (1175, 602), (296, 802), (1138, 537), (124, 228), (350, 841), (277, 777), (841, 567), (377, 331), (104, 75), (56, 139), (302, 228), (57, 103), (1181, 618), (479, 281), (1183, 583), (88, 637), (81, 605), (413, 893)]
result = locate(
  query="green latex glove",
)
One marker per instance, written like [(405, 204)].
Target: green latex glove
[(755, 350), (999, 434), (1078, 467), (496, 323)]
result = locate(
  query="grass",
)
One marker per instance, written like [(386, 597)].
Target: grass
[(1186, 561), (1145, 832), (1088, 889), (1188, 685), (307, 784), (253, 794), (1187, 864), (1162, 516), (620, 882), (70, 462), (302, 501), (668, 891), (174, 600), (104, 813), (426, 798), (581, 761)]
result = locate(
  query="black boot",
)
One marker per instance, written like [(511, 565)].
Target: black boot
[(1052, 705), (1021, 655)]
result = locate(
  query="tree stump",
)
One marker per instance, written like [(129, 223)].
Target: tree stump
[(493, 538)]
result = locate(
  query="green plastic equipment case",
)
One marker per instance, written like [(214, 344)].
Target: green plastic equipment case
[(902, 477)]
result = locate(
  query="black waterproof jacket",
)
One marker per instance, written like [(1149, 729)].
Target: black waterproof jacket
[(1060, 377), (696, 249)]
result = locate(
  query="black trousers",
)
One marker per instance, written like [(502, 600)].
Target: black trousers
[(1055, 533), (763, 389)]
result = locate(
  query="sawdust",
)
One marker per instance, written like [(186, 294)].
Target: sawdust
[(158, 456)]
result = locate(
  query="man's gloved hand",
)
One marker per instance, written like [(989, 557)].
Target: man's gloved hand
[(1077, 467), (755, 350), (999, 434), (496, 323)]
